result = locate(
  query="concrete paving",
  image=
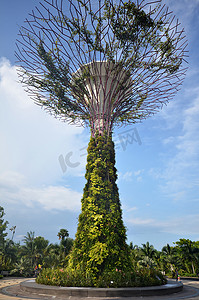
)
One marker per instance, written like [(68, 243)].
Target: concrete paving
[(82, 292), (8, 282), (11, 287)]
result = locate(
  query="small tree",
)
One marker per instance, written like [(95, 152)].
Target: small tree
[(169, 257), (3, 234), (41, 245), (29, 248), (189, 252), (3, 227), (13, 230), (65, 245), (63, 234)]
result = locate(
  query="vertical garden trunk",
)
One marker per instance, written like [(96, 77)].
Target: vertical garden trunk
[(100, 244)]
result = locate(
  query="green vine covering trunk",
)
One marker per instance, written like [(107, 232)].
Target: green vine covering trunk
[(100, 256), (100, 244)]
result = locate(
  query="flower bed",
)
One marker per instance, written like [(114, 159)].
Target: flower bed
[(116, 278)]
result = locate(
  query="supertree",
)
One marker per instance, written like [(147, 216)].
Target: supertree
[(101, 63)]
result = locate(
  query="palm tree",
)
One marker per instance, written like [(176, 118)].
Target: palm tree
[(63, 234), (22, 268), (8, 254), (65, 244), (169, 256), (29, 249), (158, 260), (189, 252), (52, 256), (135, 254), (147, 262), (148, 254), (41, 245), (148, 250)]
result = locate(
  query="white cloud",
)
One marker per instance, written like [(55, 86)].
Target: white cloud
[(52, 197), (128, 209), (184, 10), (183, 225), (31, 140), (31, 143), (14, 191), (137, 173), (169, 140), (182, 169), (127, 176), (178, 174), (139, 221)]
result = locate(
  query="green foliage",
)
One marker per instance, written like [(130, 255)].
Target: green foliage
[(55, 82), (102, 269), (189, 252), (66, 244), (62, 234), (8, 255), (148, 250), (115, 278), (40, 244), (143, 39), (20, 260), (186, 274), (3, 227), (100, 244), (23, 268), (169, 259), (138, 21), (29, 248), (4, 257)]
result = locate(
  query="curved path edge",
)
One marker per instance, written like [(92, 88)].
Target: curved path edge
[(32, 287)]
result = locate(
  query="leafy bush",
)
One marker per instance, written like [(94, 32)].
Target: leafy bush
[(1, 276), (185, 274), (181, 273), (22, 268), (117, 278)]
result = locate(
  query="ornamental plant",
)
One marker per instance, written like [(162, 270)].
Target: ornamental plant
[(101, 63), (116, 278), (100, 244)]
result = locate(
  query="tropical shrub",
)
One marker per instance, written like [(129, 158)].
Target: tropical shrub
[(185, 274), (116, 278)]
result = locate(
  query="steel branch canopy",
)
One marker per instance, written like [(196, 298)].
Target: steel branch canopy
[(101, 62)]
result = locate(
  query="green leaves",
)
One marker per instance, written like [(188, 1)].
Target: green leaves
[(142, 41), (128, 21), (63, 234), (100, 243), (3, 227), (115, 278)]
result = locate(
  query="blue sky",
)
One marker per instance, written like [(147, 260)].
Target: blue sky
[(158, 166)]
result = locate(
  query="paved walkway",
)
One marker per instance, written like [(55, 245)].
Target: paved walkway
[(11, 286), (7, 282)]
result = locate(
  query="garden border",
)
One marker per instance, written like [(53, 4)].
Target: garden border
[(169, 288)]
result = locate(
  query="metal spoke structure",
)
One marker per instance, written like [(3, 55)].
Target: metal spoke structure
[(101, 63)]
